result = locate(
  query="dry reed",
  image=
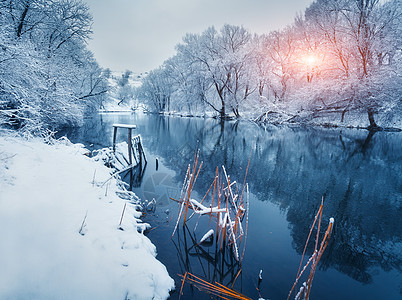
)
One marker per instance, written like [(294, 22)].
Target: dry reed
[(305, 289), (214, 289), (122, 214), (229, 210)]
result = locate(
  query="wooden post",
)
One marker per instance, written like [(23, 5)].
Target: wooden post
[(114, 138), (142, 151), (139, 151), (129, 147)]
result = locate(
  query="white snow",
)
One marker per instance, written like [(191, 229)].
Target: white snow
[(202, 210), (45, 193), (206, 236), (130, 126)]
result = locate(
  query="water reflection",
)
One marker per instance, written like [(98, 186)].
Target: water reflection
[(292, 167), (206, 260), (134, 176)]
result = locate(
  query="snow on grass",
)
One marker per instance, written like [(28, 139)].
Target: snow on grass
[(45, 193)]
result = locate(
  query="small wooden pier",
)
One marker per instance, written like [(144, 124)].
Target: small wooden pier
[(134, 145)]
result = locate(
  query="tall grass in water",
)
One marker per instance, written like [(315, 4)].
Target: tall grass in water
[(214, 289), (229, 207), (304, 291)]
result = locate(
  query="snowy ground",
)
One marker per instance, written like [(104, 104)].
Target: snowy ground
[(45, 193)]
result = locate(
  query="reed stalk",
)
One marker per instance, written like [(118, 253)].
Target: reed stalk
[(182, 285), (213, 195), (192, 182), (122, 214), (237, 275), (245, 235), (81, 231), (315, 258), (215, 289)]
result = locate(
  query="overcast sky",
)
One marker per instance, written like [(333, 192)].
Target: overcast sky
[(138, 35)]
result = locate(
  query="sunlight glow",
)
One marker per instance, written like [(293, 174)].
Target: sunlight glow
[(310, 60)]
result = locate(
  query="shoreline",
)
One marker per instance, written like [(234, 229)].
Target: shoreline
[(324, 124)]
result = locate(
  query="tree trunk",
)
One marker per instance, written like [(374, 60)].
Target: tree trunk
[(22, 20), (370, 114), (222, 112), (222, 98), (236, 112), (261, 89), (343, 115)]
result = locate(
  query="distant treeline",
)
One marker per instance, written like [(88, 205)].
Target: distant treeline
[(340, 56)]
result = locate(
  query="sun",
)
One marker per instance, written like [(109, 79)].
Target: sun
[(310, 60)]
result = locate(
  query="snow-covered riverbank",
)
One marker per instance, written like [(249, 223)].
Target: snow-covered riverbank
[(45, 193)]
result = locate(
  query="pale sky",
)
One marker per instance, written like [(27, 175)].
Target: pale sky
[(138, 35)]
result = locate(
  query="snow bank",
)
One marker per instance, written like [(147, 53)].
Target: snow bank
[(45, 193)]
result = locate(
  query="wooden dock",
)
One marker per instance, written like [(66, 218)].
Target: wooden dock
[(134, 144)]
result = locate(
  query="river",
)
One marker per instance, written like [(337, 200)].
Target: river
[(291, 169)]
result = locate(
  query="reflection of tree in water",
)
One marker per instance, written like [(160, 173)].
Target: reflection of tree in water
[(293, 167), (361, 183), (95, 131)]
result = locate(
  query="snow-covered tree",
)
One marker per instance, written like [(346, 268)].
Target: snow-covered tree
[(48, 78), (359, 37), (281, 52), (156, 90), (221, 59)]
